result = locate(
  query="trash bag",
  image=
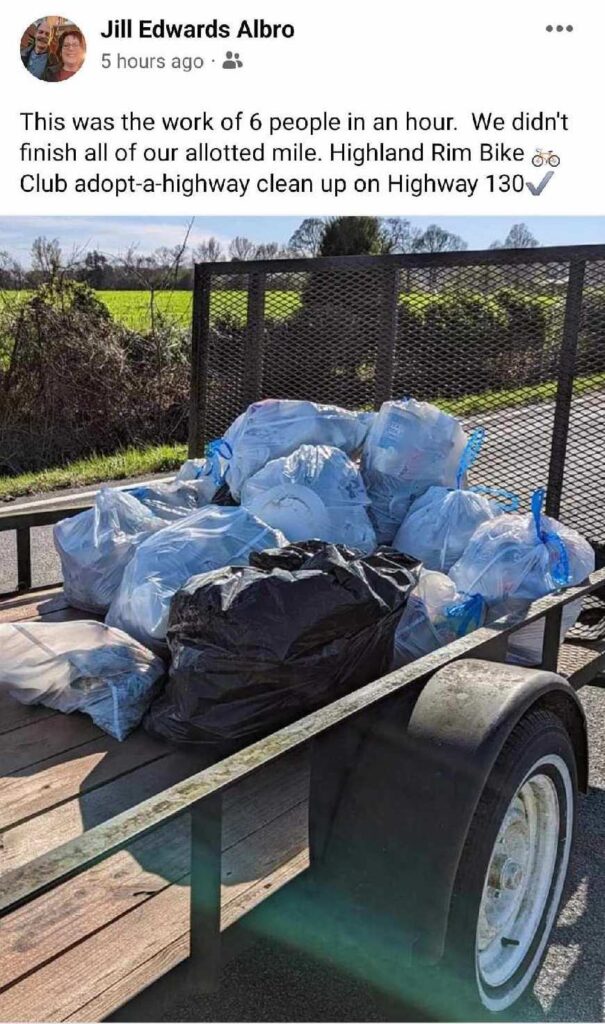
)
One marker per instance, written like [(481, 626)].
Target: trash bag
[(267, 430), (176, 499), (210, 469), (255, 647), (205, 540), (513, 560), (96, 545), (436, 614), (410, 446), (316, 492), (441, 521), (80, 666)]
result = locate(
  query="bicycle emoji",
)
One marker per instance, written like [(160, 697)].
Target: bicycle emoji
[(545, 156)]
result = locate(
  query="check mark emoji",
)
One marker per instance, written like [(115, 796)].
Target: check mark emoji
[(537, 189)]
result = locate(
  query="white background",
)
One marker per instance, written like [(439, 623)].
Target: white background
[(378, 57)]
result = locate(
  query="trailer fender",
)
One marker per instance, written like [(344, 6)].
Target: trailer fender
[(457, 729)]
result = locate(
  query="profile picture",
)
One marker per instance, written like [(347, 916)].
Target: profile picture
[(53, 49)]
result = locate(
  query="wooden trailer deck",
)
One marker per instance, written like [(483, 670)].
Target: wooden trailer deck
[(82, 950), (85, 948)]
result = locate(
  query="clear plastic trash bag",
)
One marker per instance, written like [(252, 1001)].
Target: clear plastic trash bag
[(436, 614), (206, 540), (80, 666), (513, 560), (410, 446), (316, 492), (96, 545), (275, 427), (441, 521), (176, 499)]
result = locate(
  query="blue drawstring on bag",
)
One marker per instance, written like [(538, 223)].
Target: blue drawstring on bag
[(507, 501), (470, 453), (217, 450), (470, 613), (560, 563)]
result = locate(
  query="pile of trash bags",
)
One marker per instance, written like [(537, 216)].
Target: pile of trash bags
[(309, 551)]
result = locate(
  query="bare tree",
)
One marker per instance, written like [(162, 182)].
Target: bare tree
[(437, 239), (208, 251), (519, 237), (270, 251), (241, 248), (400, 235), (306, 240), (46, 258)]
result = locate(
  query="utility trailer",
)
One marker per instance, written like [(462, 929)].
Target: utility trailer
[(417, 831)]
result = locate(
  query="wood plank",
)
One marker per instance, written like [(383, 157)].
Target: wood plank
[(174, 952), (105, 960), (28, 606), (115, 962), (13, 715), (29, 792), (28, 746), (33, 935), (36, 836)]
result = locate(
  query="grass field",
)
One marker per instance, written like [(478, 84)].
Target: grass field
[(132, 307)]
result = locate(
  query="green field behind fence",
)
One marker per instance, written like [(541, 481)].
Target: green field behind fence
[(133, 308)]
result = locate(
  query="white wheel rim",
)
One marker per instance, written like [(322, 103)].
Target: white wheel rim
[(519, 883)]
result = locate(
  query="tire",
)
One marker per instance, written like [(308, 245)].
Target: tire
[(537, 161), (554, 161), (521, 838)]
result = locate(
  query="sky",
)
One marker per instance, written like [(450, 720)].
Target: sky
[(113, 235)]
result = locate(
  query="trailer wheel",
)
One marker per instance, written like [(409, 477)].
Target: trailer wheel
[(514, 864)]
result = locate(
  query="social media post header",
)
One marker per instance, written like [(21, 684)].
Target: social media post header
[(266, 108)]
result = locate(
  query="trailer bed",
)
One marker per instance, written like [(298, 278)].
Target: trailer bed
[(117, 927), (112, 930)]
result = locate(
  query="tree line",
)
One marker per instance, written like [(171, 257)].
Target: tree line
[(172, 267)]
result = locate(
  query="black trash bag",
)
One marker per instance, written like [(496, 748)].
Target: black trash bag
[(255, 647)]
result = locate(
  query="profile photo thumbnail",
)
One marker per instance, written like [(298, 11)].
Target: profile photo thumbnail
[(53, 48)]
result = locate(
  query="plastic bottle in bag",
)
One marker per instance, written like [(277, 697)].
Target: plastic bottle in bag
[(96, 545), (80, 666), (275, 427), (436, 614), (410, 446), (513, 560), (206, 540), (316, 492)]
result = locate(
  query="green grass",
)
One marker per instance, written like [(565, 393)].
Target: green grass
[(132, 307), (132, 462), (491, 401)]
